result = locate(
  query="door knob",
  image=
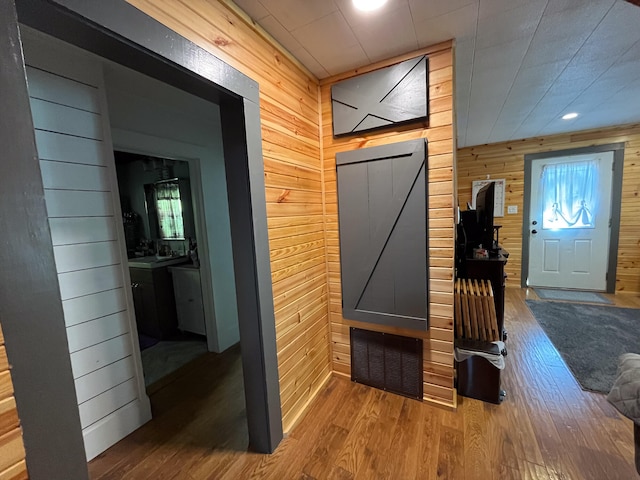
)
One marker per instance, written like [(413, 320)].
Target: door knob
[(534, 232)]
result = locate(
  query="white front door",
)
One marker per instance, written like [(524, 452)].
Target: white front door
[(569, 221)]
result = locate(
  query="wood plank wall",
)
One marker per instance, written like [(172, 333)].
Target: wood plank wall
[(293, 176), (438, 341), (506, 160), (12, 463), (68, 106)]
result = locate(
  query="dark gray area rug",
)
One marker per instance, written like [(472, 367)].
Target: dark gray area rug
[(571, 295), (590, 338)]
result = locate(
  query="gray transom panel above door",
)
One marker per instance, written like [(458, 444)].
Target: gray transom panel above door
[(389, 96), (382, 213)]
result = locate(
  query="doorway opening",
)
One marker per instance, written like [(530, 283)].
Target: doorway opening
[(162, 256), (131, 290), (124, 35), (572, 218)]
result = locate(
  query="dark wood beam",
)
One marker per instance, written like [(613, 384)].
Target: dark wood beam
[(635, 2)]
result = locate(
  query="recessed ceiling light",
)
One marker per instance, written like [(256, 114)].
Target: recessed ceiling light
[(368, 5), (569, 116)]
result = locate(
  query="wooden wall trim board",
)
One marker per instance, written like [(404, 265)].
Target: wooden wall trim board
[(265, 35), (12, 453), (291, 146), (324, 214), (438, 130), (506, 160)]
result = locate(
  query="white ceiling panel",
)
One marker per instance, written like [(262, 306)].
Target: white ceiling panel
[(383, 37), (508, 55), (310, 62), (627, 67), (281, 34), (520, 64), (298, 13), (459, 24), (491, 8), (357, 18), (253, 8), (506, 26), (540, 77), (427, 9), (332, 43)]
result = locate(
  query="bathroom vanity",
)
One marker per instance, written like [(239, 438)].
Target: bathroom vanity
[(188, 295), (153, 296)]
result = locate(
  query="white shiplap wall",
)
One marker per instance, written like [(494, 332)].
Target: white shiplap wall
[(68, 105)]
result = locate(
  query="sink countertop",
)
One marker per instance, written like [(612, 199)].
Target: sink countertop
[(186, 266), (152, 261)]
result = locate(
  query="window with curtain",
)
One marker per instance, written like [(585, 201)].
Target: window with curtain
[(169, 208), (569, 194)]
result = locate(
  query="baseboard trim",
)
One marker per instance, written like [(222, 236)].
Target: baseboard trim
[(452, 407), (114, 427), (341, 375), (305, 408)]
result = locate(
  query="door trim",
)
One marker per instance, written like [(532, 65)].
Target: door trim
[(117, 31), (30, 305), (616, 200)]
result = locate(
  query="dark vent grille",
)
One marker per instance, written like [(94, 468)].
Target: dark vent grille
[(385, 361)]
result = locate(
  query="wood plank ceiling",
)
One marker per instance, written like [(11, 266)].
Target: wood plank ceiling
[(520, 64)]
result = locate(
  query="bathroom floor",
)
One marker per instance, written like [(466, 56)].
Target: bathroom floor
[(167, 356)]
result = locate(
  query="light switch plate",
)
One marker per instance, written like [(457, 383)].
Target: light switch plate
[(511, 209)]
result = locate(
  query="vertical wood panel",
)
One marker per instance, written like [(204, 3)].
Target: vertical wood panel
[(506, 160), (439, 133), (289, 113)]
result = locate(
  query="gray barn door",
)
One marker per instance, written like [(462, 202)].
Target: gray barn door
[(382, 207)]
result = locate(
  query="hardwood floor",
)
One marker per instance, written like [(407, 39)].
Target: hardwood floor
[(547, 428)]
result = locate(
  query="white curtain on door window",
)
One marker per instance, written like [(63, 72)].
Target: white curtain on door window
[(169, 210), (570, 194)]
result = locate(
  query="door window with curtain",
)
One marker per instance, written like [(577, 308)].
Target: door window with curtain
[(569, 195), (169, 207)]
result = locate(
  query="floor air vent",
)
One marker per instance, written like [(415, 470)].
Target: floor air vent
[(385, 361)]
